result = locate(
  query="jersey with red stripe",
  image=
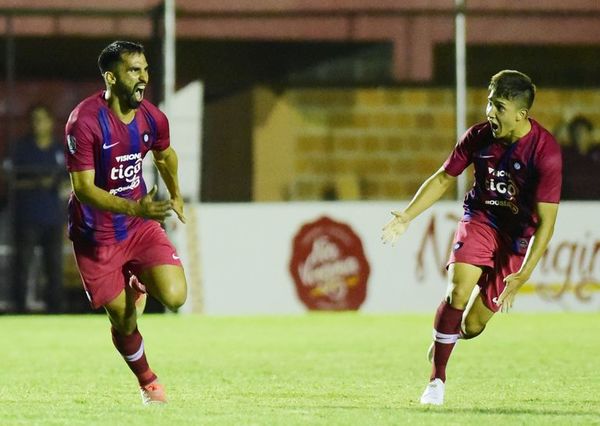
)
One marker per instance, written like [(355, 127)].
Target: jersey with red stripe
[(509, 179), (96, 139)]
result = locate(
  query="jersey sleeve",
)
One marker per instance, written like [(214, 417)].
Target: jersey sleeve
[(549, 168), (78, 143), (461, 156), (163, 140)]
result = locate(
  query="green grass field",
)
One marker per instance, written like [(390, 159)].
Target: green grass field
[(318, 369)]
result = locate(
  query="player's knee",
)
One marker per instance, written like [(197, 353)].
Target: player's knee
[(174, 299), (472, 329), (458, 297)]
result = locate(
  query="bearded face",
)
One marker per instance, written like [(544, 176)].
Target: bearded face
[(131, 79)]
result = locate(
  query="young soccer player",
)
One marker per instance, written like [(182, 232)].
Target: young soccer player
[(113, 221), (508, 220)]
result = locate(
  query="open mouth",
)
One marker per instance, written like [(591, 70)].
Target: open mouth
[(495, 127), (138, 93)]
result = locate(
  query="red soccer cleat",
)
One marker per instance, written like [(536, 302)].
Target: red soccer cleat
[(153, 393)]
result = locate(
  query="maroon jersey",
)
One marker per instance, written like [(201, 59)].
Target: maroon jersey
[(96, 139), (509, 179)]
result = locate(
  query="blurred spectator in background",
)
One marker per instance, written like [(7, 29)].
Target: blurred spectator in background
[(561, 133), (38, 167), (581, 162)]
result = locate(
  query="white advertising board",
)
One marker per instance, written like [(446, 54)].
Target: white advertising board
[(237, 258), (185, 127)]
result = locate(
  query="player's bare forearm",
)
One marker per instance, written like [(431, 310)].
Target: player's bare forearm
[(88, 193), (430, 191), (547, 213), (167, 164), (547, 216)]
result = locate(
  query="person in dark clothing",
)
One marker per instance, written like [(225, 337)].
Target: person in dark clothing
[(581, 162), (38, 167)]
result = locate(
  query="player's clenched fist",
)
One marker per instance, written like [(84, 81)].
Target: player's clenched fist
[(395, 227)]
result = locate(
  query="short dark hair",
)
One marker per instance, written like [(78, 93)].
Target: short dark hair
[(111, 54), (511, 85), (577, 122)]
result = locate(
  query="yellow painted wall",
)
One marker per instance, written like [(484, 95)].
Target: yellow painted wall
[(371, 143)]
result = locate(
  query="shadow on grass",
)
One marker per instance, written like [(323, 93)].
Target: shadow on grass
[(500, 411), (506, 411)]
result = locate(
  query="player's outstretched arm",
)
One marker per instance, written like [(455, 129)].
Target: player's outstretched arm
[(547, 213), (88, 193), (430, 191), (166, 162)]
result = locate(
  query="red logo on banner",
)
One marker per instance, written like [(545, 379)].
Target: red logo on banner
[(329, 266)]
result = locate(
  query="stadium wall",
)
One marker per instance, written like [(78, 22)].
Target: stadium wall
[(241, 258), (414, 27), (370, 143)]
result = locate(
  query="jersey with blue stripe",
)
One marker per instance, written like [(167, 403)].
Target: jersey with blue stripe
[(509, 179), (96, 139)]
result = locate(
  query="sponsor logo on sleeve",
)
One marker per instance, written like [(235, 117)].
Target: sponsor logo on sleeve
[(71, 144)]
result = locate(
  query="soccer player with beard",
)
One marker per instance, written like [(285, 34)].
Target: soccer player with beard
[(113, 222), (508, 220)]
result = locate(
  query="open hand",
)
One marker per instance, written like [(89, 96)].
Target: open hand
[(513, 283), (177, 203), (395, 227), (157, 210)]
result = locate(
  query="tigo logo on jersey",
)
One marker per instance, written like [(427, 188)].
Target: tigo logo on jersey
[(329, 266), (129, 172)]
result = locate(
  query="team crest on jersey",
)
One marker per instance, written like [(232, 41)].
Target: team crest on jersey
[(71, 144), (457, 245), (146, 137), (517, 165)]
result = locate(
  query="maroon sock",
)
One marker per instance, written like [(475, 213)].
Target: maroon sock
[(132, 349), (446, 331)]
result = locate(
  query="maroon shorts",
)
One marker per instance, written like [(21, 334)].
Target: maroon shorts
[(481, 245), (105, 269)]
